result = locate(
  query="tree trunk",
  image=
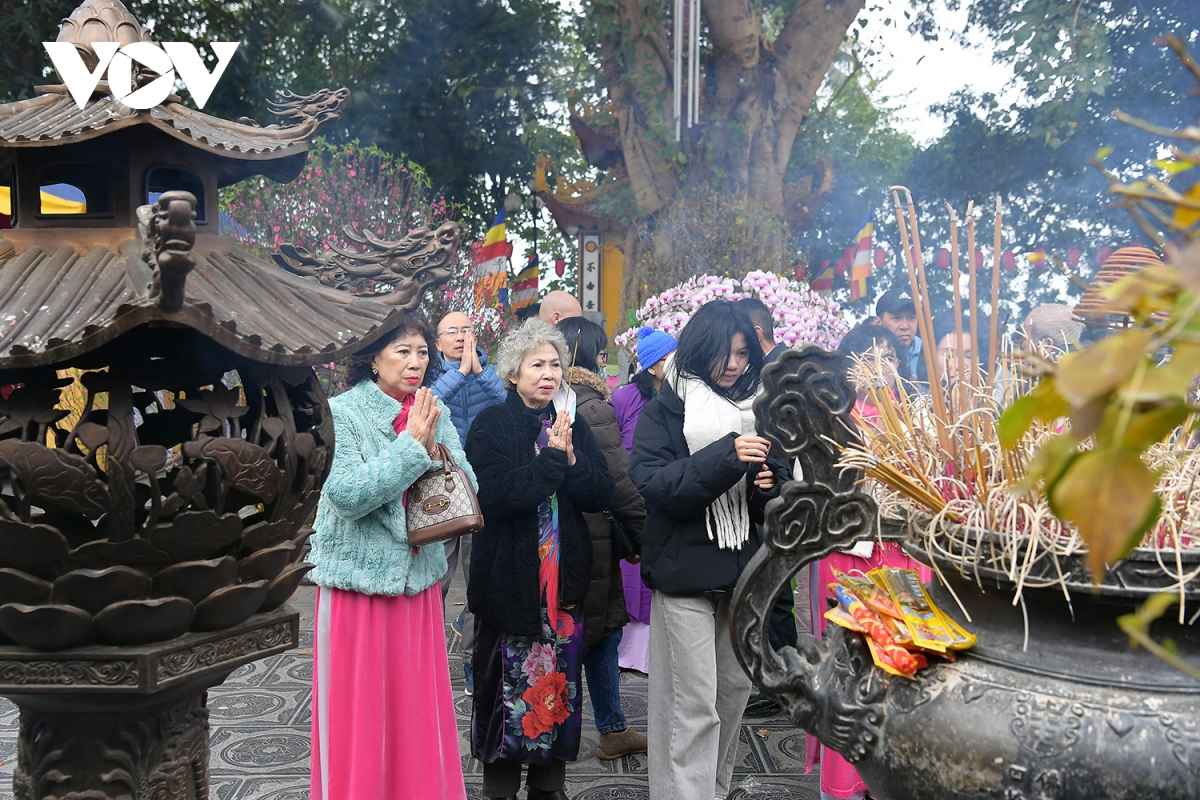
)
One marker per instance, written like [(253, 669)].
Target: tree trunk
[(755, 96)]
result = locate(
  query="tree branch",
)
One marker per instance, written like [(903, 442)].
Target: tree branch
[(805, 50), (737, 42), (635, 77), (858, 65)]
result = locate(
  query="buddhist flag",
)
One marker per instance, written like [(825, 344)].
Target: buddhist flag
[(824, 280), (491, 265), (525, 289), (860, 269)]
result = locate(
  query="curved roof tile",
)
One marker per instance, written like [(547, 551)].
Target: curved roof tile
[(56, 305)]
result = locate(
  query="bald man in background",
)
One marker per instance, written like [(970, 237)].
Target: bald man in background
[(557, 306)]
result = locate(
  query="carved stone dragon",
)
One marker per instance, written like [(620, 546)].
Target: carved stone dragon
[(394, 273)]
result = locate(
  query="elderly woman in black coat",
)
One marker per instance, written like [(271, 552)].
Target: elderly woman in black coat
[(539, 469)]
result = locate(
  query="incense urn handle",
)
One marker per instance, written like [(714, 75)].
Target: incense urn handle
[(825, 686)]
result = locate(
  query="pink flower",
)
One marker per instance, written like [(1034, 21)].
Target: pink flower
[(541, 661)]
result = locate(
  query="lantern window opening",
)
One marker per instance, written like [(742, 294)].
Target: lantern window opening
[(163, 178), (8, 197), (74, 189)]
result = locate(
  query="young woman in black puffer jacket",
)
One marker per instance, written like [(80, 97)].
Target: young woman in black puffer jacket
[(705, 476)]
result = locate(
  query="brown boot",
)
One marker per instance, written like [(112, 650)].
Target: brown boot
[(620, 743)]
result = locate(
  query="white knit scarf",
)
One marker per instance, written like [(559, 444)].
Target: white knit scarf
[(707, 416)]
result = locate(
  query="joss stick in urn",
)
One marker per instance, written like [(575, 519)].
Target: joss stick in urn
[(972, 269), (974, 295), (995, 320), (912, 273), (948, 443), (958, 327)]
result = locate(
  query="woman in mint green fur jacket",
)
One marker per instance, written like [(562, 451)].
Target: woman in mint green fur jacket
[(383, 710)]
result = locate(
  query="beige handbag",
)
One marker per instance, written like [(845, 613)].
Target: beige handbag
[(441, 504)]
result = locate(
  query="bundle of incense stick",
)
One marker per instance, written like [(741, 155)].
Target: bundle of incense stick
[(959, 390), (940, 455)]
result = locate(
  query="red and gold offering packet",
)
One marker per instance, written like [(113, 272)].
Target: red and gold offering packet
[(890, 654), (963, 639), (876, 597), (883, 661), (840, 616), (929, 630), (898, 630), (895, 627)]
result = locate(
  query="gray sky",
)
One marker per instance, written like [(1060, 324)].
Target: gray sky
[(923, 73)]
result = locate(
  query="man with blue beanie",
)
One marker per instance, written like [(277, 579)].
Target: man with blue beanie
[(467, 386)]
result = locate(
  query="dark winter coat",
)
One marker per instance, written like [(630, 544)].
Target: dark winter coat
[(503, 585), (678, 486), (604, 609)]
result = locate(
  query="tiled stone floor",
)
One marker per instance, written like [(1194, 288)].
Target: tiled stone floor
[(260, 721)]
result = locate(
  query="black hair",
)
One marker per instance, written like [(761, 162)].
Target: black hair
[(585, 340), (705, 343), (760, 316), (862, 338), (358, 366), (526, 312), (644, 381), (943, 325)]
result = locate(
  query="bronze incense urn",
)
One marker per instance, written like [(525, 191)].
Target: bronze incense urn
[(1050, 704), (163, 436)]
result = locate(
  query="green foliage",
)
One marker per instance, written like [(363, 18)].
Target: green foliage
[(1120, 401), (1137, 627), (1122, 394), (24, 25), (859, 132), (1074, 64)]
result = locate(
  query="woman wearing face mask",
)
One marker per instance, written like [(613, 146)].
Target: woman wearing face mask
[(705, 476), (539, 469), (383, 711)]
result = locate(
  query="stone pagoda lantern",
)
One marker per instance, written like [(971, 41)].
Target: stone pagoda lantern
[(163, 436)]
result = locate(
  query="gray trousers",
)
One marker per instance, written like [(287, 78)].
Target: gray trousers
[(698, 692), (459, 550)]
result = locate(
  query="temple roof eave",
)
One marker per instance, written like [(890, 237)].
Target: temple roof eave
[(242, 303), (578, 216), (53, 120)]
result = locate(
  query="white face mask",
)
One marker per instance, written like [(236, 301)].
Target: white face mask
[(565, 398)]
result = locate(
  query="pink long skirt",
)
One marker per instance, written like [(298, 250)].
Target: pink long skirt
[(839, 779), (383, 721)]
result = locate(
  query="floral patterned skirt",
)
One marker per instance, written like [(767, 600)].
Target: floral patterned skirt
[(528, 692)]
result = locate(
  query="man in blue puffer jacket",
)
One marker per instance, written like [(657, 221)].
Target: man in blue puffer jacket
[(466, 387)]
